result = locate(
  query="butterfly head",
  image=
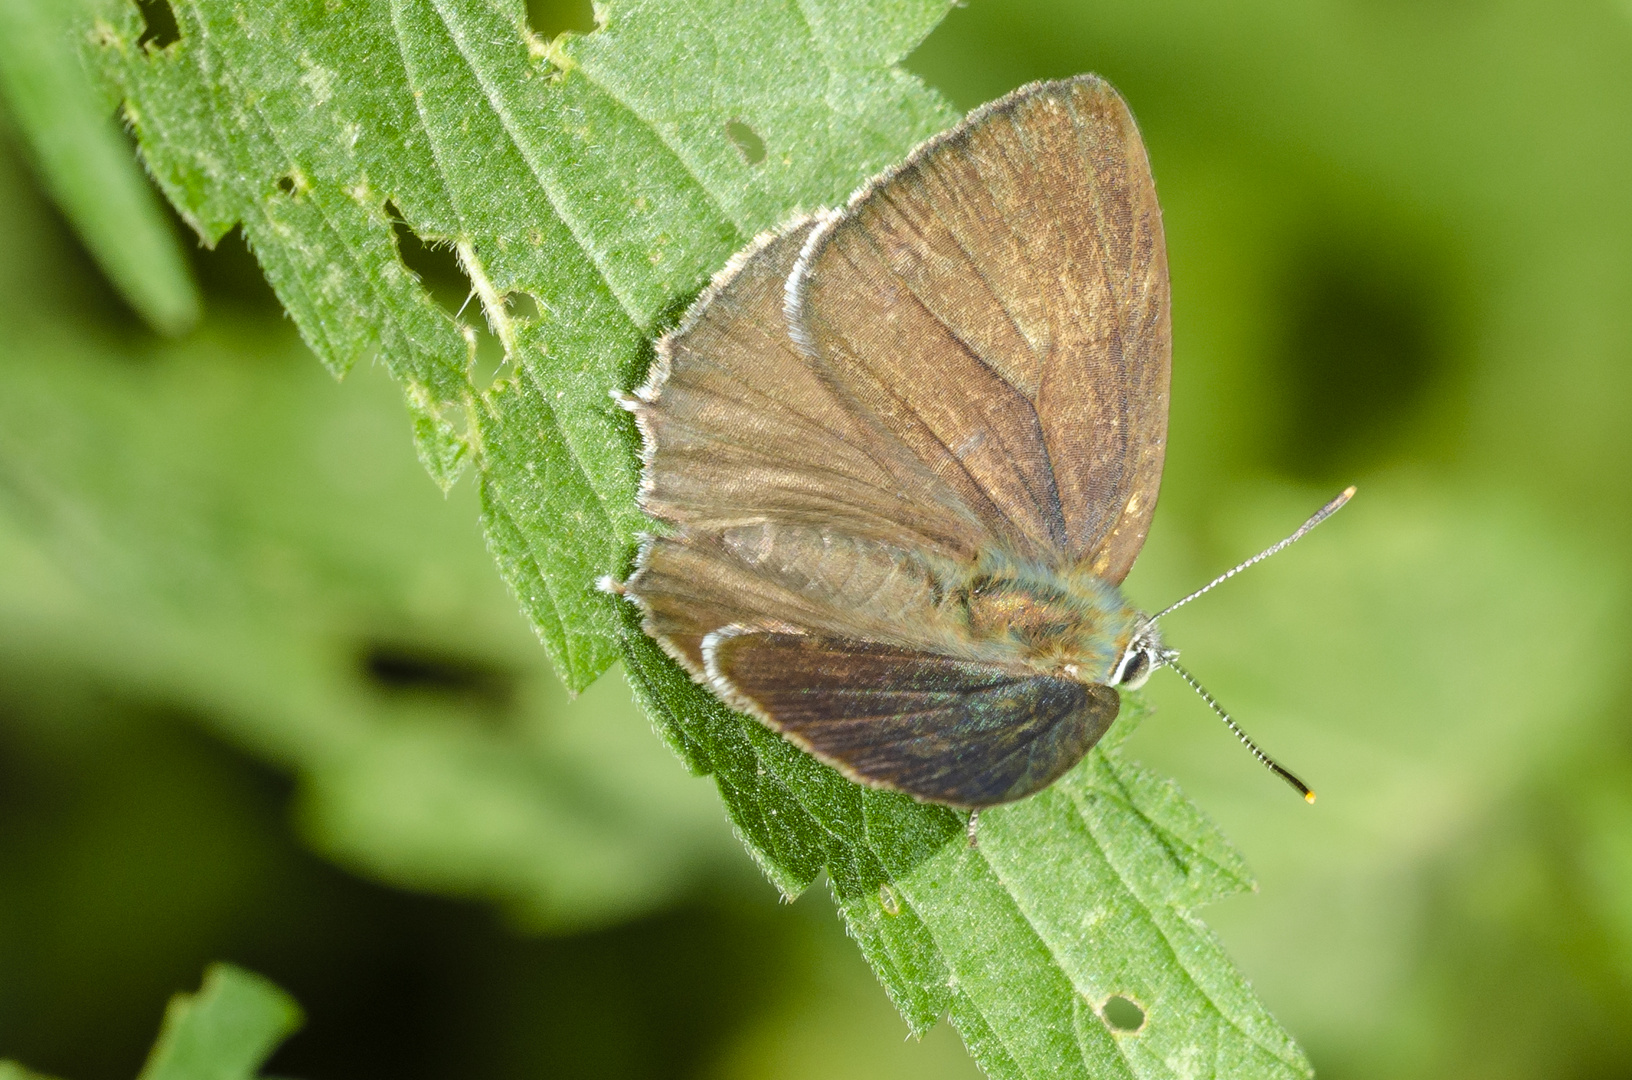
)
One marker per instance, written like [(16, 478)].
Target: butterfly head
[(1144, 654)]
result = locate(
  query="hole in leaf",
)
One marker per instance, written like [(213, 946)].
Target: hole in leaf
[(521, 305), (162, 29), (409, 669), (746, 140), (438, 270), (286, 184), (551, 18), (1121, 1014), (435, 265)]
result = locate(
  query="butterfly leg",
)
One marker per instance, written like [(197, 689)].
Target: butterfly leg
[(974, 816)]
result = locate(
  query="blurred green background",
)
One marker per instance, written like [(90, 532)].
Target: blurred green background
[(263, 697)]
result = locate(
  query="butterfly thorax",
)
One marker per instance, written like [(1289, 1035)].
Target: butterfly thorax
[(1070, 622)]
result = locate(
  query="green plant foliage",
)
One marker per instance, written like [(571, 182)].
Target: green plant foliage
[(223, 1032), (87, 165), (284, 570), (211, 523), (1403, 685), (599, 176)]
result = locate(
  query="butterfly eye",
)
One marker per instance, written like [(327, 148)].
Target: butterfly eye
[(1134, 669)]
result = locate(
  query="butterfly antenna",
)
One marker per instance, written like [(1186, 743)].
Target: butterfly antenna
[(1320, 515), (1264, 759)]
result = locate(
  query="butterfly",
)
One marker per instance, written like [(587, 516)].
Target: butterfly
[(906, 451)]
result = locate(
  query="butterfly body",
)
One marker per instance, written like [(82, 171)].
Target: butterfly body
[(1073, 623), (904, 453)]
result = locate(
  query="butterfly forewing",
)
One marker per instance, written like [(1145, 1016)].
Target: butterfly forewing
[(739, 428), (1000, 302)]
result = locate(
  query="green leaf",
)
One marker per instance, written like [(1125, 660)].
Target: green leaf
[(223, 1032), (602, 177), (1081, 894), (226, 1031), (86, 164)]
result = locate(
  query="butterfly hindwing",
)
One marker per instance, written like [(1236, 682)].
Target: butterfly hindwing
[(951, 731), (696, 582)]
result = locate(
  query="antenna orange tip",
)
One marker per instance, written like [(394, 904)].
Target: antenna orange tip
[(1348, 492), (1309, 796)]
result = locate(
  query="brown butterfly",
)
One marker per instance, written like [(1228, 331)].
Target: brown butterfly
[(908, 450)]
